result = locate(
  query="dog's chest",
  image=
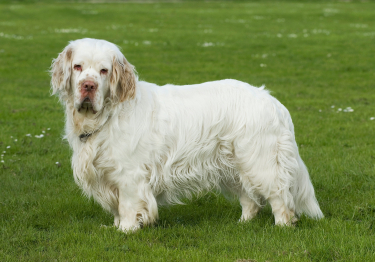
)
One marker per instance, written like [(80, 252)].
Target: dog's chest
[(92, 164)]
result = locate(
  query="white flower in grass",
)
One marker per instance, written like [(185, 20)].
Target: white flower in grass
[(89, 12), (340, 109), (48, 128), (332, 106), (147, 42), (28, 135), (40, 136), (263, 65), (11, 36), (292, 35), (348, 109), (369, 34), (8, 146), (206, 44), (330, 10), (70, 30), (372, 118), (279, 35), (11, 136), (4, 152), (320, 110), (15, 140), (2, 161), (43, 131), (359, 25)]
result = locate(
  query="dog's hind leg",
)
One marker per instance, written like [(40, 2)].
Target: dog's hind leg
[(249, 207), (116, 222), (283, 214), (269, 167)]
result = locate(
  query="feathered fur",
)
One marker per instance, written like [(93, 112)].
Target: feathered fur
[(154, 144)]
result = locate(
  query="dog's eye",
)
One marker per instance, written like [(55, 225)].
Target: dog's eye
[(104, 71), (78, 67)]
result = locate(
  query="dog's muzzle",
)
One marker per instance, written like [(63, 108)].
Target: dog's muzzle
[(88, 89)]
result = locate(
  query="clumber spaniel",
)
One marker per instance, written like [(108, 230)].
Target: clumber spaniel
[(136, 145)]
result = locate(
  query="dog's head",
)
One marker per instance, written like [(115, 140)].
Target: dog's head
[(90, 72)]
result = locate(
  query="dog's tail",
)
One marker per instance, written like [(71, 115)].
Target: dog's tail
[(304, 196)]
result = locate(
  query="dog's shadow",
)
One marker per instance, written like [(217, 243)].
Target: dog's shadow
[(211, 208)]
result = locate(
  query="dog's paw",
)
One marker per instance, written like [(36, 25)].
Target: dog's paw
[(128, 228)]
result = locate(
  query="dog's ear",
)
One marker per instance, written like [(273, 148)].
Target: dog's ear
[(61, 70), (123, 80)]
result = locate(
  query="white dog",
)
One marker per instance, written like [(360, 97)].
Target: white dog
[(136, 145)]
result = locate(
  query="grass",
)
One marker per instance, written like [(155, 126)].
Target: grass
[(311, 55)]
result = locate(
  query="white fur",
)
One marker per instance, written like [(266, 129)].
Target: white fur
[(164, 143)]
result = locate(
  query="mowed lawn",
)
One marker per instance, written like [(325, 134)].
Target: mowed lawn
[(317, 58)]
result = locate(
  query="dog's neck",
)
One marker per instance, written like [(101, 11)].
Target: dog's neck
[(82, 126), (84, 136)]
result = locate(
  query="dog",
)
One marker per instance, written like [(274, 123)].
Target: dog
[(137, 145)]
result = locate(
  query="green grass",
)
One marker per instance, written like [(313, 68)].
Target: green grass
[(323, 56)]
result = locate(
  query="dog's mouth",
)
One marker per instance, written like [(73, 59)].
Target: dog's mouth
[(86, 106)]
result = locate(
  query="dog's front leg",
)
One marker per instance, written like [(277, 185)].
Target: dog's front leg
[(137, 207), (128, 202)]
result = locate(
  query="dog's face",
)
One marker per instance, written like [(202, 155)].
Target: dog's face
[(90, 80), (90, 72)]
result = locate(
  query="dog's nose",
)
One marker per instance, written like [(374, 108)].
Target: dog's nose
[(89, 86)]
